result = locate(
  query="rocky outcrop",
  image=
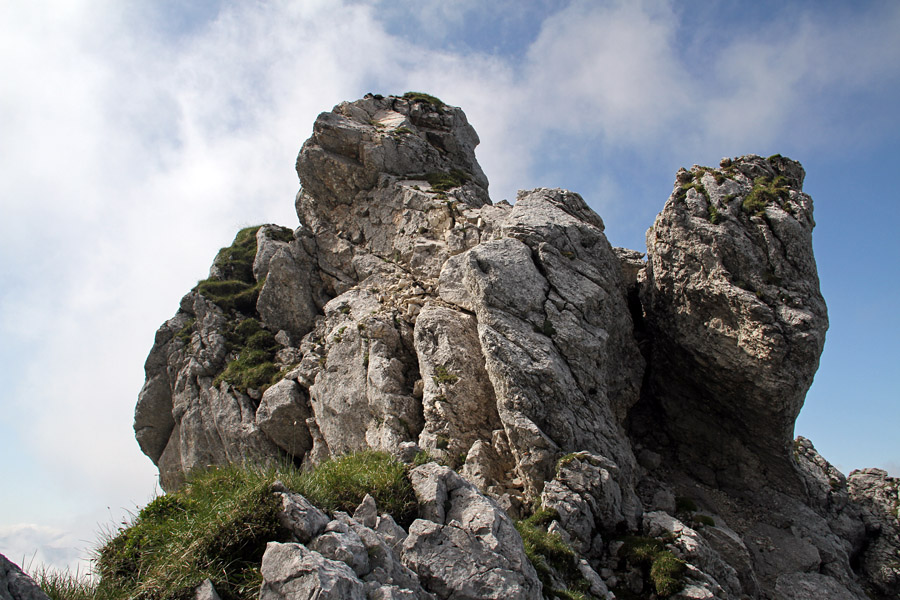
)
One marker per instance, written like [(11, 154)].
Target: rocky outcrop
[(879, 495), (617, 402), (738, 323), (15, 584)]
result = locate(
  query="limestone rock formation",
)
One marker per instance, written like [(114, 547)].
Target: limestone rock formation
[(15, 584), (638, 412), (733, 303)]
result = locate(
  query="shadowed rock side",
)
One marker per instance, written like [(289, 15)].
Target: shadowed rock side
[(542, 367), (736, 317)]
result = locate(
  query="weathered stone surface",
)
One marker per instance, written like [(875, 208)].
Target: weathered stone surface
[(282, 415), (879, 495), (738, 322), (465, 547), (589, 500), (458, 399), (206, 591), (300, 517), (692, 547), (812, 586), (554, 330), (341, 543), (15, 584), (292, 571)]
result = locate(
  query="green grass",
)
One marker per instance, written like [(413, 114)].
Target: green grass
[(694, 185), (63, 585), (551, 556), (235, 288), (445, 181), (342, 483), (714, 216), (667, 573), (426, 98), (236, 261), (765, 191), (255, 365), (660, 567), (217, 525)]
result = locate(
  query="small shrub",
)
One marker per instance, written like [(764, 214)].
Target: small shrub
[(403, 131), (443, 375), (714, 216)]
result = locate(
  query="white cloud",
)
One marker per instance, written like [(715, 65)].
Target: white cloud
[(33, 546), (130, 154)]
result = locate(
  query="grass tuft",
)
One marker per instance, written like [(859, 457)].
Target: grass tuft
[(658, 565), (445, 181), (426, 98), (254, 366), (765, 191), (235, 287), (342, 483), (63, 585), (217, 525)]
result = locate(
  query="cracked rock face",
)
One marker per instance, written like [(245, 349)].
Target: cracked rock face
[(732, 300), (513, 344)]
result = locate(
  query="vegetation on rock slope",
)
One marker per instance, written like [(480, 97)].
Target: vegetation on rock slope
[(217, 525)]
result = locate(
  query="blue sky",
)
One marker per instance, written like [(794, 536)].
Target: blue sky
[(137, 137)]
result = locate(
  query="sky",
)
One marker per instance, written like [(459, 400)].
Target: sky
[(136, 138)]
